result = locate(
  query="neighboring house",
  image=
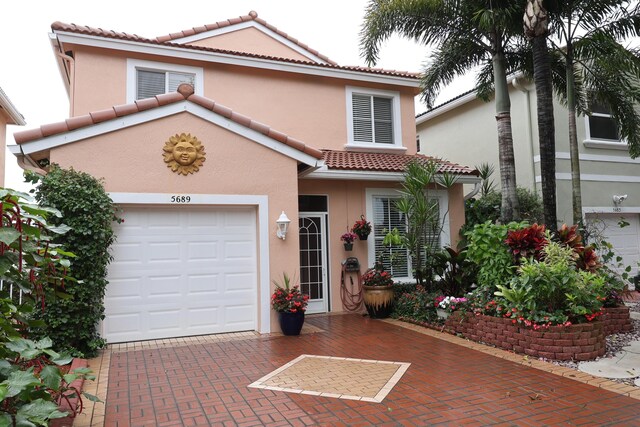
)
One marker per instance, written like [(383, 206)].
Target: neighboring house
[(464, 129), (9, 115), (204, 138)]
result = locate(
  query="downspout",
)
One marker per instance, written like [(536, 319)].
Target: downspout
[(520, 84), (476, 190), (71, 68)]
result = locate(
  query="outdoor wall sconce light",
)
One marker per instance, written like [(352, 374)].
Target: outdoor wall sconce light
[(617, 199), (283, 225)]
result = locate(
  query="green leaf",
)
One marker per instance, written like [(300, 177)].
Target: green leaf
[(19, 381), (91, 397), (5, 420), (9, 235), (39, 412), (51, 377)]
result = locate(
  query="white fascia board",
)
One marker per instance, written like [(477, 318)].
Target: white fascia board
[(11, 110), (159, 113), (251, 24), (446, 107), (355, 175), (221, 58), (55, 46), (15, 149)]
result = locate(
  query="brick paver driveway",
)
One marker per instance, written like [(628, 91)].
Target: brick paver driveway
[(446, 384)]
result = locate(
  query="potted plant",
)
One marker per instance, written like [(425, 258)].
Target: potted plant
[(290, 303), (377, 286), (348, 239), (362, 228), (447, 305)]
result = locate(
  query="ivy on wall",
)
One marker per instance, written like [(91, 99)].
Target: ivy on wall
[(87, 209)]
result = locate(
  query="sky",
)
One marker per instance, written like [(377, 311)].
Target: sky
[(30, 78)]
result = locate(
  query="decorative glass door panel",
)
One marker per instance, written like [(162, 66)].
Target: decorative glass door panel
[(313, 261)]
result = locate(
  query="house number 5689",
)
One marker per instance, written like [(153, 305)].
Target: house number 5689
[(180, 199)]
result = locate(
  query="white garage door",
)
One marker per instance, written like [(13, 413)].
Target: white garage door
[(625, 240), (182, 271)]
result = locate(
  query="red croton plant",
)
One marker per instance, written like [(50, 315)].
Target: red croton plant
[(530, 241)]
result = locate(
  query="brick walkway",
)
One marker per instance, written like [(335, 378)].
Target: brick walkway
[(204, 384)]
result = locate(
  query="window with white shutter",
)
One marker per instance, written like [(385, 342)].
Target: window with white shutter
[(384, 217), (146, 79), (153, 82), (373, 118)]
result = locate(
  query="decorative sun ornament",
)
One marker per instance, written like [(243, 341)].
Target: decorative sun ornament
[(184, 154)]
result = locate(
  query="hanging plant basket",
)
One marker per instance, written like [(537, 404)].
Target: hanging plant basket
[(348, 246)]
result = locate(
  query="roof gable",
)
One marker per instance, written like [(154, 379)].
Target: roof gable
[(122, 116), (248, 34)]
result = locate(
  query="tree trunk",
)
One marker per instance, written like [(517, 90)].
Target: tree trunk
[(510, 210), (536, 29), (576, 191), (546, 129)]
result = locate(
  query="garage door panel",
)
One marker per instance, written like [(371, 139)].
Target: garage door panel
[(182, 271), (625, 240)]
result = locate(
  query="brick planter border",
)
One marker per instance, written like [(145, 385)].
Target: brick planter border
[(575, 342), (616, 320)]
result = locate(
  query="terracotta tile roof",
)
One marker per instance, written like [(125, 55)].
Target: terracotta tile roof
[(252, 16), (383, 162), (185, 91), (98, 32)]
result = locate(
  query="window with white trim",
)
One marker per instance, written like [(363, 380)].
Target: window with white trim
[(150, 83), (373, 118), (146, 79), (385, 216), (600, 124)]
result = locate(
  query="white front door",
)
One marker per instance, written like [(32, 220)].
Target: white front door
[(313, 261), (180, 271)]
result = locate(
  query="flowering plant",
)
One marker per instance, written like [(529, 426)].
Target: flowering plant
[(362, 227), (377, 276), (449, 304), (287, 298), (348, 237)]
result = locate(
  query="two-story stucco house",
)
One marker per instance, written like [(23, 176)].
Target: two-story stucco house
[(464, 129), (9, 115), (205, 138)]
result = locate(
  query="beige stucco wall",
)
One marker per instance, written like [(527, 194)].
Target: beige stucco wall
[(347, 201), (131, 160), (250, 40), (310, 108)]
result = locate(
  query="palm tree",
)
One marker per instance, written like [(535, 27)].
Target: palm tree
[(597, 68), (536, 30), (464, 34)]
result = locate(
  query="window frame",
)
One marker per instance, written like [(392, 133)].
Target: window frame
[(133, 65), (396, 119), (445, 236), (593, 142)]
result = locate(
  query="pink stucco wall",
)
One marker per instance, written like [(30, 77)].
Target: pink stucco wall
[(250, 40), (3, 143), (131, 160), (310, 108)]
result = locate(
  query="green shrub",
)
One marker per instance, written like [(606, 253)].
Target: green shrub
[(487, 208), (88, 210), (487, 249), (417, 305)]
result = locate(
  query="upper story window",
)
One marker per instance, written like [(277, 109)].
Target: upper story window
[(600, 124), (148, 78), (373, 119)]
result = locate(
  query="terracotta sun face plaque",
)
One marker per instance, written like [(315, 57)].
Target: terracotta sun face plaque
[(184, 154)]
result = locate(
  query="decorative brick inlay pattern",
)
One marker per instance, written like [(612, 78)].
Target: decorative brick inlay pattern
[(616, 320), (575, 342), (341, 377)]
